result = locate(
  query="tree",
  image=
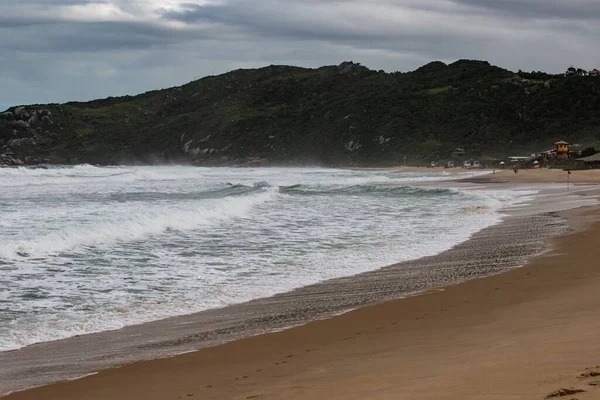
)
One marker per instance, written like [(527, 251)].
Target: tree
[(572, 71), (588, 151)]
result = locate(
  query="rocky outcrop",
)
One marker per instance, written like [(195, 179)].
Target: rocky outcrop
[(21, 130), (7, 116), (19, 125), (349, 68), (27, 117)]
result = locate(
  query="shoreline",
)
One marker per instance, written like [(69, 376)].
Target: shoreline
[(373, 278), (358, 353)]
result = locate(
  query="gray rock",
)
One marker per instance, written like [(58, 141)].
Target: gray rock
[(33, 120), (8, 116), (15, 143), (18, 112), (19, 125), (350, 68), (21, 113)]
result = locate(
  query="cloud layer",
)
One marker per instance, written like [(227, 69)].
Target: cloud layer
[(60, 50)]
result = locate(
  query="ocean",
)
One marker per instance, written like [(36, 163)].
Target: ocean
[(87, 249)]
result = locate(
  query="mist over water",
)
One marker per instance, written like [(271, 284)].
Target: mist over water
[(86, 249)]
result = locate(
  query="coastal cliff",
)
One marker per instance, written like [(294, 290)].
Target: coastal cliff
[(333, 115)]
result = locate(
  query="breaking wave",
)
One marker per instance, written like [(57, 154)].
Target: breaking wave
[(136, 225)]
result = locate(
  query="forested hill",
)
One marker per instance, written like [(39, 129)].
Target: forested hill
[(334, 115)]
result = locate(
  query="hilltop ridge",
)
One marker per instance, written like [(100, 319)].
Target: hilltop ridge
[(333, 115)]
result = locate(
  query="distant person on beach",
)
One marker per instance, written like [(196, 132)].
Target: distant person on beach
[(516, 169)]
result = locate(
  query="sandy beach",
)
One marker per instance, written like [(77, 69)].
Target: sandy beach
[(590, 176), (522, 334), (542, 175)]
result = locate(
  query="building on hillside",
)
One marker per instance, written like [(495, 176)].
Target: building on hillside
[(561, 147), (592, 161), (518, 159), (594, 72), (458, 152), (562, 150)]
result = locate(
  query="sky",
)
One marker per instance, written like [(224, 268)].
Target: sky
[(62, 50)]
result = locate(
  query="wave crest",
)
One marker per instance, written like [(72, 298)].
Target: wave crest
[(137, 225)]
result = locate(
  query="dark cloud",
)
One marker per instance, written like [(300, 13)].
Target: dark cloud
[(58, 50), (554, 9), (265, 19)]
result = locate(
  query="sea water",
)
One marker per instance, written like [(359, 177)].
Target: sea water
[(87, 249)]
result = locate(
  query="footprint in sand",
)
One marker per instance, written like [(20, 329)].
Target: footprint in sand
[(564, 392)]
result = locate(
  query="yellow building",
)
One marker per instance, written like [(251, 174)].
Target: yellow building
[(561, 147)]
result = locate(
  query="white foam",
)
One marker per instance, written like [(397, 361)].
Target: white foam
[(82, 254), (134, 225)]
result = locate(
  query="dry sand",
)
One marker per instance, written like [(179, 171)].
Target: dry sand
[(542, 175), (519, 335), (591, 176)]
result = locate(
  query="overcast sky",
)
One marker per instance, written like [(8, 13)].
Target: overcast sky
[(61, 50)]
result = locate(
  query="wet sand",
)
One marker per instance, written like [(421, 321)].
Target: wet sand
[(520, 334)]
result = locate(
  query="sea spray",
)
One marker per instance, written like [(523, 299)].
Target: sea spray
[(86, 249)]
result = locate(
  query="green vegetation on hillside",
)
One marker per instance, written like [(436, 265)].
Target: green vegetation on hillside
[(334, 115)]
